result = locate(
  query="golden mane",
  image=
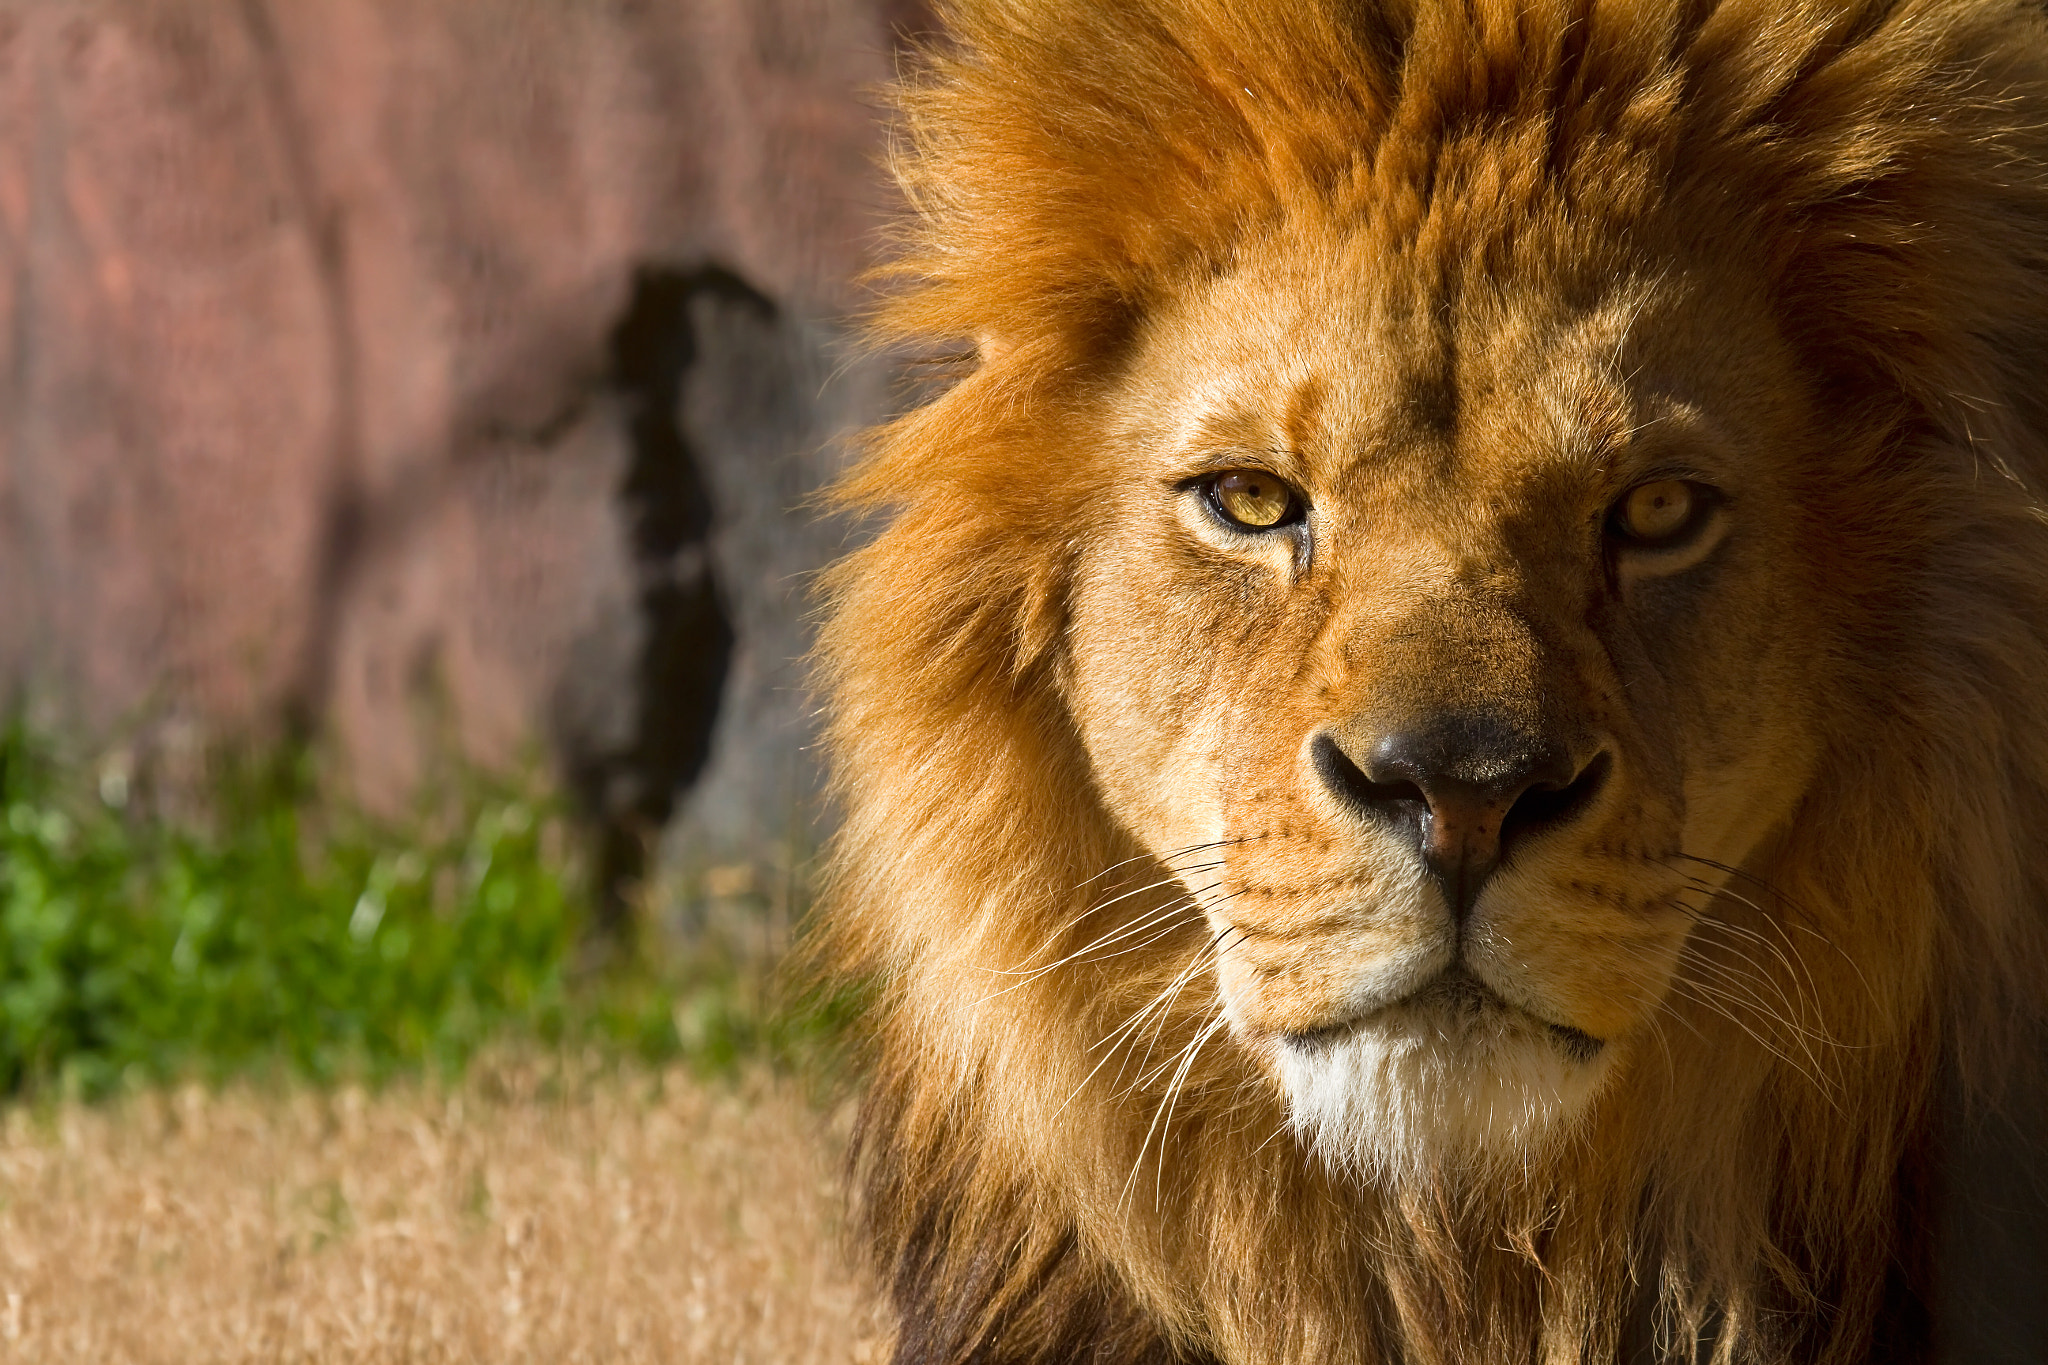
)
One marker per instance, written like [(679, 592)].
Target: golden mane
[(1035, 1193)]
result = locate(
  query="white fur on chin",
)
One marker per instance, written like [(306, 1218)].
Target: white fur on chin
[(1417, 1090)]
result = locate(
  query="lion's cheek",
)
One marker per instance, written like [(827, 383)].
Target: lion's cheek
[(1731, 811), (1277, 984), (1604, 975), (1587, 932), (1153, 764), (1142, 690)]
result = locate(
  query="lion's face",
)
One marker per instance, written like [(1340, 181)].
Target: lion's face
[(1447, 643)]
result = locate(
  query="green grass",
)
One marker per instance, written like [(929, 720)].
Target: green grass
[(281, 934)]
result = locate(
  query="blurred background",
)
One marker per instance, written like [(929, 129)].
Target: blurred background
[(436, 380), (435, 388), (410, 415)]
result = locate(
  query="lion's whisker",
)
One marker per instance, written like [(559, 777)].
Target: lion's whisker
[(1168, 858), (1751, 986), (1801, 999), (1794, 962), (1180, 1080), (1805, 987), (1164, 1111), (1181, 902), (1821, 1082), (1177, 874), (1731, 1006), (1180, 983), (1801, 916), (1166, 994), (1735, 990), (1160, 1001), (1762, 914)]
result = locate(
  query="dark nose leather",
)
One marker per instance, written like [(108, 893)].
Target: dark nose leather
[(1467, 789)]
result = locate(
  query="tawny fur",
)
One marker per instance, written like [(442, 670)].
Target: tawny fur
[(1869, 178)]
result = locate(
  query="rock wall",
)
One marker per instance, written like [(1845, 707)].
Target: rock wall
[(436, 373)]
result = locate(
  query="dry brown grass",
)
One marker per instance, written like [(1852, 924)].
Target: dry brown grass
[(515, 1219)]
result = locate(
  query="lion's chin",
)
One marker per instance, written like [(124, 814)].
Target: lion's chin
[(1436, 1085)]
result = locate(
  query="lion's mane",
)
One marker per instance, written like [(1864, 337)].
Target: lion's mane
[(1072, 163)]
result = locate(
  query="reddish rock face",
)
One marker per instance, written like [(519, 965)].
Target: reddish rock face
[(311, 397)]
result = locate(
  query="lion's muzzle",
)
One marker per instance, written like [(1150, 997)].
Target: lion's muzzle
[(1466, 788)]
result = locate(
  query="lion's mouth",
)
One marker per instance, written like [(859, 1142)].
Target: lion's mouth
[(1458, 1004)]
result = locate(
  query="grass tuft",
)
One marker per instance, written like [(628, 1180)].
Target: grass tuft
[(281, 935)]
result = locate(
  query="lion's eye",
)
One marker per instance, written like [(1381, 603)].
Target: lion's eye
[(1660, 513), (1253, 499)]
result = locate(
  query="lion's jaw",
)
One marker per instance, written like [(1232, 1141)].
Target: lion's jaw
[(1450, 1075), (1446, 568), (1440, 1059), (1446, 1055)]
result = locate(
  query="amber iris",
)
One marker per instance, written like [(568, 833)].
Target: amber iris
[(1252, 498), (1658, 511)]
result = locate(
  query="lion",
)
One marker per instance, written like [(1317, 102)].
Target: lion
[(1443, 740)]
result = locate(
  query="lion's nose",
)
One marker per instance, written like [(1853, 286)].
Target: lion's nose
[(1468, 791)]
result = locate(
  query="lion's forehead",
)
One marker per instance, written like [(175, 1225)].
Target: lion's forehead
[(1466, 412)]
